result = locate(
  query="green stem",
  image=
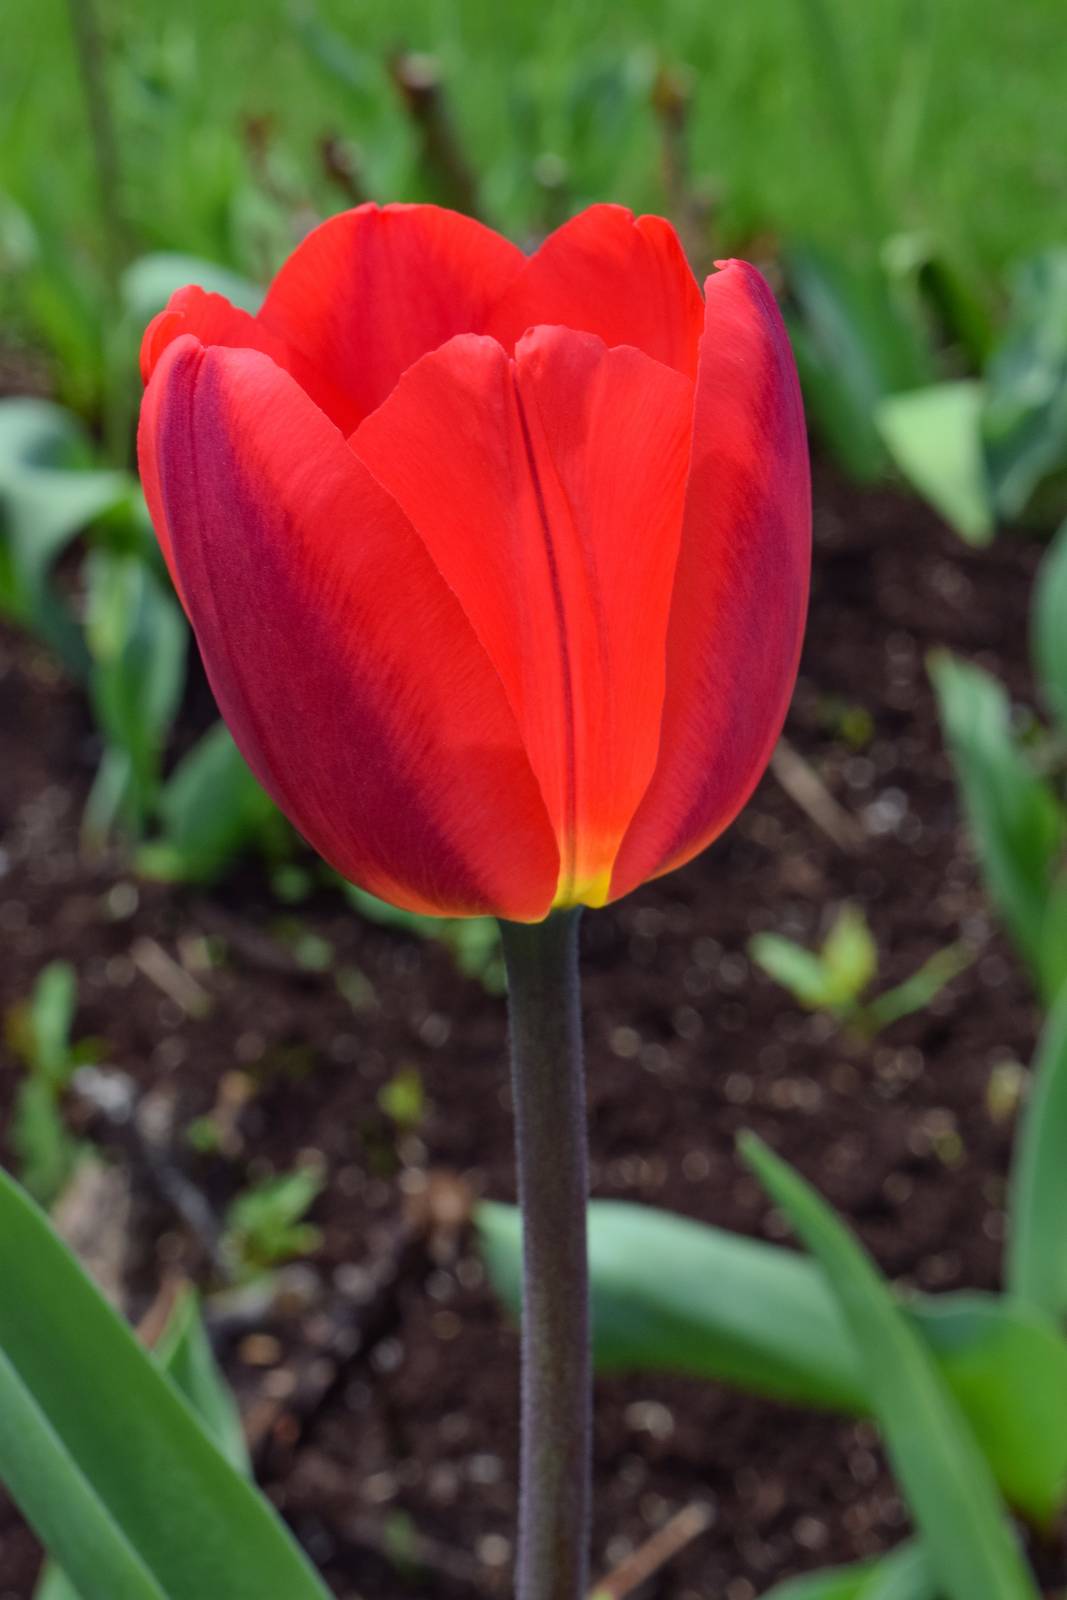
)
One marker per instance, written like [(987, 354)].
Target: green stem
[(550, 1131)]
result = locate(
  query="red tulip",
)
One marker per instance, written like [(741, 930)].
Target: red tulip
[(498, 564)]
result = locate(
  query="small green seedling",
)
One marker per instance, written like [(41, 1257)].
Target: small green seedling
[(403, 1099), (846, 721), (38, 1031), (265, 1223), (401, 1544), (835, 978)]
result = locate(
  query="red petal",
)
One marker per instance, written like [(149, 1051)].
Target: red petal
[(549, 491), (373, 289), (606, 272), (345, 668), (213, 320), (147, 454), (740, 597)]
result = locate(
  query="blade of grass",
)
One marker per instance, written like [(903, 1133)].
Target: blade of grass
[(106, 1460), (904, 1574), (948, 1483), (1037, 1240)]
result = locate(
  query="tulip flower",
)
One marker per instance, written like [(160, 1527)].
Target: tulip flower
[(498, 566), (497, 563)]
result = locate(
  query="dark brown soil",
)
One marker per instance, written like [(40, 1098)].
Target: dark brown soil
[(394, 1391)]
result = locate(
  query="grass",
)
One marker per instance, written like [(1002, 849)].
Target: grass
[(957, 117)]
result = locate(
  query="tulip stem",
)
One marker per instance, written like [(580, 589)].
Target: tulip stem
[(550, 1136)]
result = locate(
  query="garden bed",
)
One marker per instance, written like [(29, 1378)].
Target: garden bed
[(380, 1390)]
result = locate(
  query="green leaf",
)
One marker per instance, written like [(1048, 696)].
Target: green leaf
[(916, 992), (39, 1030), (264, 1223), (854, 345), (403, 1098), (831, 1583), (1026, 410), (47, 1152), (1049, 627), (54, 1584), (673, 1295), (138, 641), (903, 1575), (834, 979), (934, 436), (149, 282), (1037, 1207), (211, 809), (109, 797), (795, 968), (51, 1017), (949, 1486), (50, 490), (185, 1355), (1006, 1364), (1018, 824), (107, 1462), (184, 1352), (61, 1505), (849, 956), (951, 286), (357, 71)]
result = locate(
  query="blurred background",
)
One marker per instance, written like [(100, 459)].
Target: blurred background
[(906, 131), (221, 1064)]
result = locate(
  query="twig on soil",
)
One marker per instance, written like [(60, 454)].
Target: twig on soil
[(93, 1215), (142, 1126), (341, 1328), (428, 1554), (150, 958), (256, 948), (806, 789), (648, 1558)]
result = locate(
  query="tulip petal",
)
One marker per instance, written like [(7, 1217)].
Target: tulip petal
[(345, 668), (549, 490), (624, 278), (740, 595), (371, 290), (213, 320)]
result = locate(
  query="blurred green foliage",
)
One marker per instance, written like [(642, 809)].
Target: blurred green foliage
[(265, 1223), (38, 1031), (947, 124), (814, 121), (1012, 774)]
